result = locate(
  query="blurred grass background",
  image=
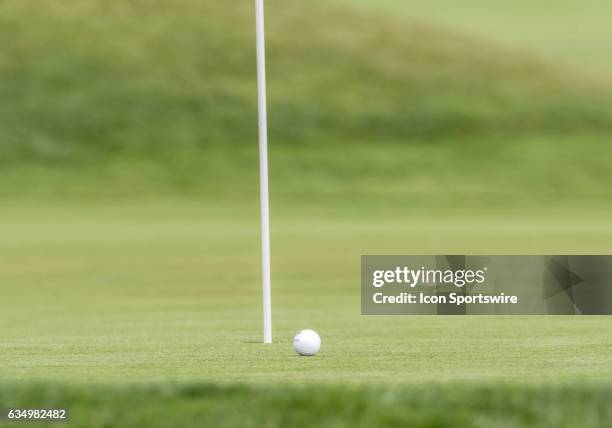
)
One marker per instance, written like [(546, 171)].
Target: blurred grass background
[(134, 96), (128, 178), (568, 32)]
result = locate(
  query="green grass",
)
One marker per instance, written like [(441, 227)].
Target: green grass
[(129, 250), (170, 290), (531, 175), (104, 294), (565, 31), (432, 406), (108, 78), (134, 98)]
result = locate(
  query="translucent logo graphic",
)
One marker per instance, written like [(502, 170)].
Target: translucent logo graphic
[(486, 285)]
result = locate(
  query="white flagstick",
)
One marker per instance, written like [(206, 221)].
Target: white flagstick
[(263, 171)]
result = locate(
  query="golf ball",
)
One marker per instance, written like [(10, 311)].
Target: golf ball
[(307, 343)]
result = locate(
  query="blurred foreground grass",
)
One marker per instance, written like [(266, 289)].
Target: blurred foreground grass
[(293, 406)]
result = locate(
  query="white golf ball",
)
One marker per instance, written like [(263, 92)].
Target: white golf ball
[(307, 343)]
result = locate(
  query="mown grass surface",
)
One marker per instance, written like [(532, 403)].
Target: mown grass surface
[(130, 254), (193, 405), (164, 293), (170, 290)]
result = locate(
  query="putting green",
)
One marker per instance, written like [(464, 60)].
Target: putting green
[(169, 289)]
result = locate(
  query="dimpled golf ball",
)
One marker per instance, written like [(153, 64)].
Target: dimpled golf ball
[(307, 343)]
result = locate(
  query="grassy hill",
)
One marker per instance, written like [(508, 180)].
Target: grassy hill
[(574, 32), (102, 78), (132, 97)]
